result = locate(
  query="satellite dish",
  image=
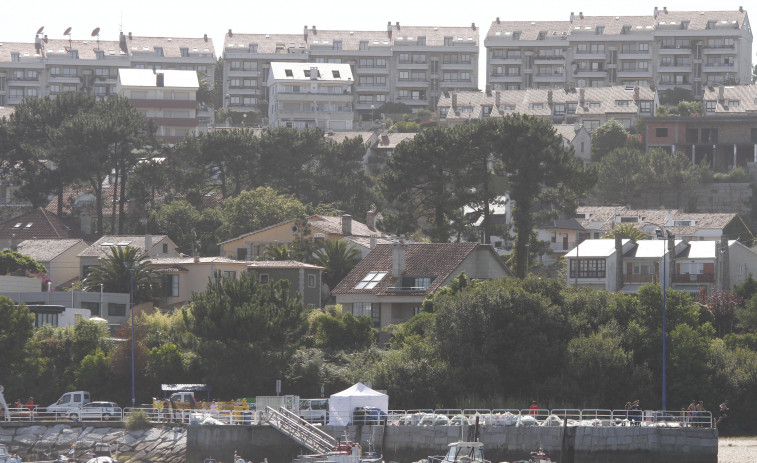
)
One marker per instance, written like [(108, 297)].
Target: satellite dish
[(67, 31), (96, 32), (39, 31)]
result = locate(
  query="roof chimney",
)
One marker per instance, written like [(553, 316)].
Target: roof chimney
[(741, 9), (305, 31), (373, 241), (656, 12), (347, 224), (197, 259), (473, 26), (389, 29), (205, 37), (315, 31), (665, 9), (572, 16), (497, 19), (130, 36), (398, 25), (581, 15), (148, 243), (370, 219), (230, 33), (399, 254)]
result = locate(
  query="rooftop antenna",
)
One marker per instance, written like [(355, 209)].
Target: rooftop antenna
[(96, 33), (68, 33)]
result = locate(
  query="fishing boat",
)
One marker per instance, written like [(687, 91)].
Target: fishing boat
[(460, 452), (102, 454)]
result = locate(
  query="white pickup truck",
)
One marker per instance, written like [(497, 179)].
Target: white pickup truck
[(68, 403)]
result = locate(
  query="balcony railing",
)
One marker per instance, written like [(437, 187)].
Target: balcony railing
[(694, 278)]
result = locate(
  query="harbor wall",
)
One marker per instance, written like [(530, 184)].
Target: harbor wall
[(405, 444)]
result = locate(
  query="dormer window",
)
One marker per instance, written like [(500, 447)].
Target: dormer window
[(100, 54), (159, 51), (28, 225), (73, 54), (184, 52), (600, 30), (516, 35), (335, 74), (288, 73)]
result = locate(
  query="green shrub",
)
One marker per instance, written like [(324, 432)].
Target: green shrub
[(137, 420)]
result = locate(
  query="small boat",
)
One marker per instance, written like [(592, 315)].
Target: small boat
[(102, 454), (460, 452), (346, 452), (540, 457), (5, 457)]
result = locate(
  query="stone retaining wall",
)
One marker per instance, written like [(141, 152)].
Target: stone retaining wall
[(33, 443)]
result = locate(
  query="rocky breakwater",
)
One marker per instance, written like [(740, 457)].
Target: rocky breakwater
[(44, 442)]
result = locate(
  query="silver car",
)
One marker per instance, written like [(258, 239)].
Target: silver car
[(97, 411)]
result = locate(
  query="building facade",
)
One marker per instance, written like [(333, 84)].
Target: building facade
[(410, 65), (310, 95), (168, 98), (667, 49), (47, 67)]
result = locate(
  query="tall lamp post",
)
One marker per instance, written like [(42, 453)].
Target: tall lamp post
[(131, 308), (662, 236)]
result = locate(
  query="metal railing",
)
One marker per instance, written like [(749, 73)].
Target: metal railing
[(418, 417)]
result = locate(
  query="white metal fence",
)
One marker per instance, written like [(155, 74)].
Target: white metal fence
[(420, 417)]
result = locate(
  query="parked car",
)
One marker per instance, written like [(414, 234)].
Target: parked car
[(315, 410), (99, 411), (368, 415)]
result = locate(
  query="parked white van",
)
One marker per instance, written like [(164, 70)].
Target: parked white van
[(69, 402), (315, 410)]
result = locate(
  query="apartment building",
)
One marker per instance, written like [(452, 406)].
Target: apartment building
[(411, 65), (47, 66), (310, 95), (668, 49), (168, 97), (590, 107)]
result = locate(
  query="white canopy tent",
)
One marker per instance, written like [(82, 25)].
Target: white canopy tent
[(342, 404)]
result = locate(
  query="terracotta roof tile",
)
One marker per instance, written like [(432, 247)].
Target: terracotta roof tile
[(37, 224)]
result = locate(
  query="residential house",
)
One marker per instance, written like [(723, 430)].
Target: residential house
[(391, 282), (155, 246), (304, 279), (310, 95), (59, 256), (724, 135), (589, 107), (167, 97), (562, 236), (667, 49), (35, 224), (251, 246), (385, 145), (500, 217), (625, 265), (578, 137), (689, 226), (407, 64)]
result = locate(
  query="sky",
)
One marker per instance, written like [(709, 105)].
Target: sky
[(193, 18)]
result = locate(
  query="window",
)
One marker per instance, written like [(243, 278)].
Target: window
[(264, 278), (159, 51), (241, 253), (184, 52), (41, 319), (661, 132), (404, 57), (99, 54), (171, 285), (116, 310), (363, 44), (646, 106), (368, 309), (229, 274), (73, 54), (15, 56), (311, 281), (93, 307), (448, 41), (337, 45), (640, 268), (335, 74), (588, 268), (370, 280), (380, 62), (422, 41)]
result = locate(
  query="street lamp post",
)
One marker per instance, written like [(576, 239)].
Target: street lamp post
[(131, 305), (662, 235)]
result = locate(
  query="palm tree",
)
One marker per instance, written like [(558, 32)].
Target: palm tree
[(626, 230), (114, 273), (338, 257), (276, 251)]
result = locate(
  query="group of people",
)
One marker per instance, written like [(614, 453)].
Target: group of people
[(694, 415), (29, 405), (633, 412)]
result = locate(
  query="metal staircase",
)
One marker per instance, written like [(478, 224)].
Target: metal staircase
[(304, 433)]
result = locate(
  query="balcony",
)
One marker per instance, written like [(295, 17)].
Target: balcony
[(694, 278), (640, 278)]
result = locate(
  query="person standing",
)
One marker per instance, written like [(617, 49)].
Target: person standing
[(533, 409), (691, 413), (700, 414), (724, 410), (636, 411)]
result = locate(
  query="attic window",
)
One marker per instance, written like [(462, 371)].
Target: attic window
[(123, 243), (159, 51), (18, 225), (629, 220), (29, 225), (107, 243), (370, 280), (682, 223), (335, 74), (288, 73)]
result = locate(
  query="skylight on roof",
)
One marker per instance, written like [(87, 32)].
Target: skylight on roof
[(106, 243), (123, 243), (18, 225), (29, 225), (370, 280)]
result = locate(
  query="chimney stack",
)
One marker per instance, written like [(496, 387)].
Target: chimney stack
[(389, 29), (581, 15), (656, 12), (230, 34), (370, 219), (497, 19), (305, 32), (572, 16), (347, 224), (399, 255), (130, 36), (205, 37)]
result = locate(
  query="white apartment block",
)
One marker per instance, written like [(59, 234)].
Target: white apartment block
[(310, 95), (668, 49), (402, 64), (168, 97), (47, 67)]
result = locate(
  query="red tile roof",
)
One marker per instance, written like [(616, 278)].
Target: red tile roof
[(37, 224)]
